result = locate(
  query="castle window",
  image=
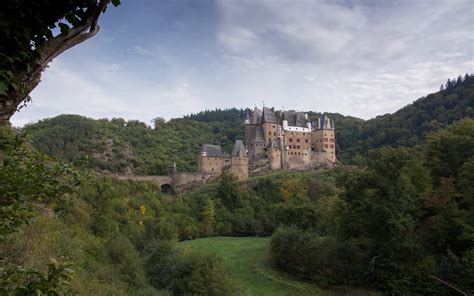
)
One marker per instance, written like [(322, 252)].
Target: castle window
[(306, 140), (270, 133), (332, 146), (299, 153), (274, 133), (298, 140), (273, 126), (326, 146), (291, 140)]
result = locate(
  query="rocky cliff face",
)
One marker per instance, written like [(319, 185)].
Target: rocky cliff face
[(114, 154)]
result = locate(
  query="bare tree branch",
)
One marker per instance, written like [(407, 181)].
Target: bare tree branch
[(449, 285)]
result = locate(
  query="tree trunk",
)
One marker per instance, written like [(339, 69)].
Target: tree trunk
[(18, 98)]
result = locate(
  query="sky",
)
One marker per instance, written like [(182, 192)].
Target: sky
[(169, 58)]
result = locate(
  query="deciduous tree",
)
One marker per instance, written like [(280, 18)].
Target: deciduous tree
[(29, 43)]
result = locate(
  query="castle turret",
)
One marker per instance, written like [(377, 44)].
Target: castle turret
[(239, 165), (256, 116), (274, 155), (323, 139), (247, 117)]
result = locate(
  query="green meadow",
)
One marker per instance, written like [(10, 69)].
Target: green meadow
[(249, 262)]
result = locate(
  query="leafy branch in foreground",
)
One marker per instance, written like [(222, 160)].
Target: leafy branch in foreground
[(23, 281), (30, 183), (29, 43)]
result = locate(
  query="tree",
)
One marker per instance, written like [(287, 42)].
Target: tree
[(158, 122), (29, 43), (228, 191), (30, 183), (448, 149), (208, 217), (383, 205)]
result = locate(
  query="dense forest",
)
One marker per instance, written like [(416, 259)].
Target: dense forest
[(400, 225), (401, 222), (120, 146)]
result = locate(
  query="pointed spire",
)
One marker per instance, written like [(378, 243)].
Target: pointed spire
[(247, 117)]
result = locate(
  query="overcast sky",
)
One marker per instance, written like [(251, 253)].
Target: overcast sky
[(169, 58)]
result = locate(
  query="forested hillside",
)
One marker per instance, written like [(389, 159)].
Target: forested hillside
[(397, 225), (401, 223), (409, 125), (120, 146)]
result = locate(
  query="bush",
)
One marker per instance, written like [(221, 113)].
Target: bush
[(321, 259), (188, 272), (124, 256)]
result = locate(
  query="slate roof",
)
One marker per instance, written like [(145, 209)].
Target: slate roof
[(256, 116), (239, 149), (268, 115), (212, 150), (324, 122), (295, 118), (256, 135)]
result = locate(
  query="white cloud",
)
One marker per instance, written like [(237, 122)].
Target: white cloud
[(104, 91), (142, 51), (361, 58), (354, 58)]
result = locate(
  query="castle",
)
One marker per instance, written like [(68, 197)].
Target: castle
[(274, 140)]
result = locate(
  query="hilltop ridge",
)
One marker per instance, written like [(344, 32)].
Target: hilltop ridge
[(120, 146)]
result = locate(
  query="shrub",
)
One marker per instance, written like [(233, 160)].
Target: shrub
[(321, 259), (188, 272)]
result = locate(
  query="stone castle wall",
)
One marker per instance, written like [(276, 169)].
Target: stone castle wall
[(239, 167)]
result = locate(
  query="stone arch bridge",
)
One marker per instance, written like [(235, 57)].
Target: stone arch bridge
[(175, 182)]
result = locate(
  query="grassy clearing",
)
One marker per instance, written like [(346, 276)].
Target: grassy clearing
[(248, 260)]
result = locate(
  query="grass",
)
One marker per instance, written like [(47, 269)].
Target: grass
[(248, 260)]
